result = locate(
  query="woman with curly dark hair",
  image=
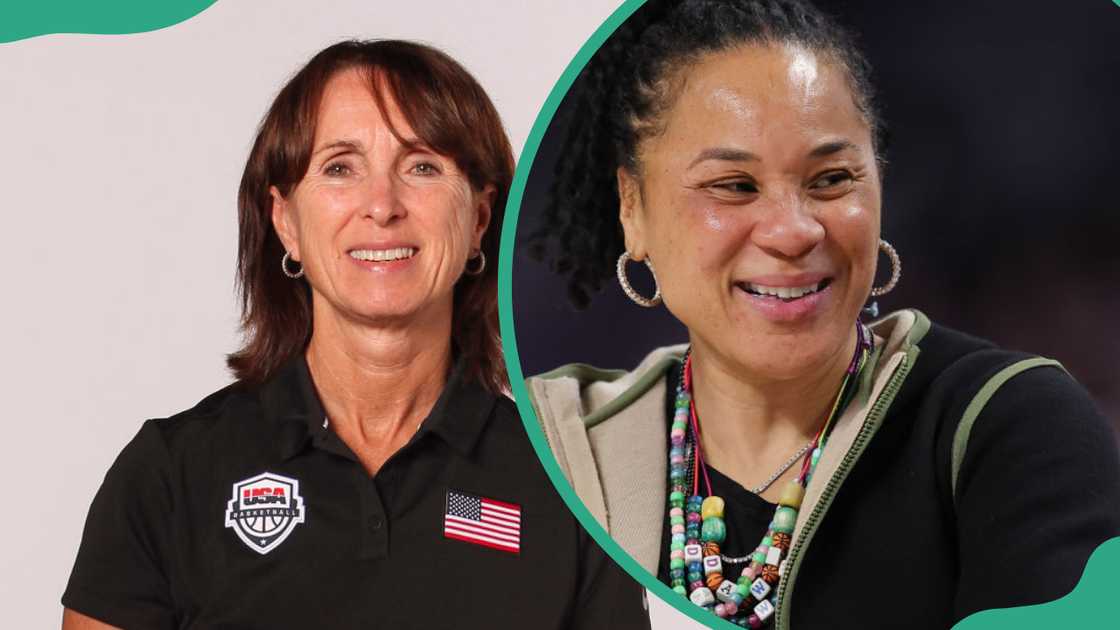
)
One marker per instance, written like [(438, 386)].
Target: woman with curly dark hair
[(793, 466)]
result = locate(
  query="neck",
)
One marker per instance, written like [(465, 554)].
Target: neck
[(378, 383), (750, 424)]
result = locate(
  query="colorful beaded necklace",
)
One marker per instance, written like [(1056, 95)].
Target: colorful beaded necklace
[(696, 523)]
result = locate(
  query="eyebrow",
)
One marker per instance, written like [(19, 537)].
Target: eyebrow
[(352, 145), (725, 154), (412, 144), (830, 148)]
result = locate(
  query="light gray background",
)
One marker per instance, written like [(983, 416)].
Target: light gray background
[(119, 168)]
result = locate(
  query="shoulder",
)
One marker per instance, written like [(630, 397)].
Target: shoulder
[(219, 412), (1034, 463), (585, 412), (1030, 410), (956, 370), (986, 400), (952, 370), (141, 481), (949, 367), (230, 415), (594, 395), (1035, 390)]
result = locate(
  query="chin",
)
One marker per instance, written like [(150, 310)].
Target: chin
[(389, 310), (781, 367), (375, 309), (785, 357)]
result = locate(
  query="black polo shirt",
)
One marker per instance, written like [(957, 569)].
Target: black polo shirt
[(247, 511)]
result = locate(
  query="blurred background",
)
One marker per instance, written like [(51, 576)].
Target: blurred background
[(1001, 192)]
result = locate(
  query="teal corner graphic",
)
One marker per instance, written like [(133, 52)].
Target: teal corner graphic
[(1088, 606), (21, 19)]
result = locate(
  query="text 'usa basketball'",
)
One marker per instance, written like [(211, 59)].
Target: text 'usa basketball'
[(264, 510)]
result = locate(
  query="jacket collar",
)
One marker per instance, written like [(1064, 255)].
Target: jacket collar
[(626, 492)]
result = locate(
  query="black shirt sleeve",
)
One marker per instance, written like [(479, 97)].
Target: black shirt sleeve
[(120, 576), (608, 597), (1037, 492)]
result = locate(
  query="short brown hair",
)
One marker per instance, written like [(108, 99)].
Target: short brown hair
[(448, 111)]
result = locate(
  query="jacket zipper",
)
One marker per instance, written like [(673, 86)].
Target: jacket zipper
[(886, 397)]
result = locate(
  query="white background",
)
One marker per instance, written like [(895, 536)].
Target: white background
[(119, 167)]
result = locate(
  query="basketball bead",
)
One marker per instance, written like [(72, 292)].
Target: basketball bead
[(782, 540), (770, 574), (713, 580)]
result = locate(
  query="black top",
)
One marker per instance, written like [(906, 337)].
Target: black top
[(746, 514), (1038, 490), (247, 511)]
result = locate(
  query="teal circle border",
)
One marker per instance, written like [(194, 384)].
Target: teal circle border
[(1086, 605), (509, 335)]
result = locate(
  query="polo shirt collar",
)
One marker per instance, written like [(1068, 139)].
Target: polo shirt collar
[(291, 402), (289, 398), (461, 412)]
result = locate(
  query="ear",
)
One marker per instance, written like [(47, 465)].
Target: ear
[(631, 213), (284, 222), (484, 209)]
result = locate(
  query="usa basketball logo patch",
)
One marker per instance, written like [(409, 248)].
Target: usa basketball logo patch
[(264, 510)]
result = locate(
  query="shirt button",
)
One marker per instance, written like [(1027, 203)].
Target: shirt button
[(375, 523)]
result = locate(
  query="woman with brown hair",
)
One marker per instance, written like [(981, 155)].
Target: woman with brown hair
[(366, 468)]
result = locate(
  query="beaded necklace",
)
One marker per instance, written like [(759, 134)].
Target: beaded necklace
[(696, 523)]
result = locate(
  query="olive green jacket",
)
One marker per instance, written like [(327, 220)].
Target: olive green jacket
[(607, 431)]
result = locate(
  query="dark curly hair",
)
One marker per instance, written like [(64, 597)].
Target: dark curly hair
[(618, 100)]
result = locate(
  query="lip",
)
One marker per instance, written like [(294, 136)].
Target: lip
[(775, 309), (383, 266)]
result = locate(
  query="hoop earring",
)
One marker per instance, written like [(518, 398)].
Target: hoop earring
[(481, 258), (284, 265), (620, 268), (896, 269)]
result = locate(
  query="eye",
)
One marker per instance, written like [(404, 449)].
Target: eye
[(831, 179), (737, 186), (424, 168), (336, 169)]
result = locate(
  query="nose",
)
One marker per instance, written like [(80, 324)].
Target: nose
[(787, 228), (383, 203)]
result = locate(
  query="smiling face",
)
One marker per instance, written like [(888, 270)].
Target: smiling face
[(758, 203), (383, 228)]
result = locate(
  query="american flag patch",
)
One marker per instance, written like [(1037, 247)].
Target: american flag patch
[(482, 521)]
